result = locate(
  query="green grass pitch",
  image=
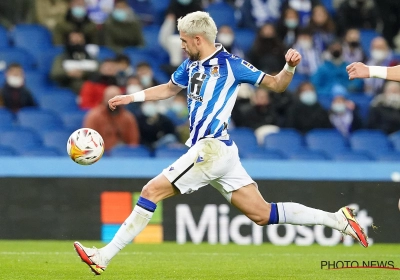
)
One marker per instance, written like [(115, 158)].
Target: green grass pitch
[(57, 260)]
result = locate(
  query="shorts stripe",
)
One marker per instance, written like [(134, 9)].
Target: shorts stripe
[(183, 173)]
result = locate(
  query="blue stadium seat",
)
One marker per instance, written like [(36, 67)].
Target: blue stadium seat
[(20, 139), (362, 102), (351, 156), (4, 40), (45, 61), (34, 38), (6, 118), (222, 13), (244, 38), (308, 155), (395, 140), (244, 138), (262, 154), (56, 139), (138, 55), (6, 151), (17, 55), (159, 9), (105, 53), (39, 120), (73, 120), (367, 35), (329, 141), (284, 141), (392, 156), (170, 152), (128, 151), (58, 102), (374, 142), (325, 101), (150, 34), (297, 80), (35, 81), (40, 152)]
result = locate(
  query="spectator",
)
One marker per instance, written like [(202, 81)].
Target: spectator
[(352, 50), (310, 57), (156, 129), (256, 13), (116, 127), (267, 52), (306, 113), (390, 15), (381, 55), (303, 8), (48, 12), (16, 12), (360, 14), (179, 114), (259, 112), (146, 75), (288, 27), (125, 69), (322, 27), (76, 19), (92, 90), (335, 69), (168, 36), (14, 95), (122, 28), (226, 36), (74, 65), (343, 115), (385, 109), (99, 10)]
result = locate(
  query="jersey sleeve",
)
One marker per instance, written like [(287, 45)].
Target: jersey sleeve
[(181, 75), (245, 72)]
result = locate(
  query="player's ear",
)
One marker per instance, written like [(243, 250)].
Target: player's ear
[(197, 40)]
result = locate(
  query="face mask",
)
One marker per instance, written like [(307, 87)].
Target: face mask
[(15, 81), (78, 11), (146, 80), (149, 109), (336, 53), (305, 44), (184, 2), (308, 97), (338, 108), (291, 23), (225, 39), (120, 15), (354, 44), (133, 88), (378, 55)]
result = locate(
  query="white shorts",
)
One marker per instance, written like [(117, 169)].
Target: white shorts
[(209, 161)]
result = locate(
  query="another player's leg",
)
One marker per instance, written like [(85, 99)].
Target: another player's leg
[(156, 190), (249, 200)]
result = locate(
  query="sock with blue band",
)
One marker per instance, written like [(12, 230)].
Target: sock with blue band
[(274, 215), (133, 225)]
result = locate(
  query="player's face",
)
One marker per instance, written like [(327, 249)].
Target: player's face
[(189, 45)]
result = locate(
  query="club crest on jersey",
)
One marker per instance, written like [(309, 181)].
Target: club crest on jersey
[(214, 71), (249, 65)]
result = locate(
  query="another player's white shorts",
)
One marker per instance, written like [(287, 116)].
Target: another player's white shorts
[(209, 161)]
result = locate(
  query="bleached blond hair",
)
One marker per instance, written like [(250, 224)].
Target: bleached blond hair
[(198, 23)]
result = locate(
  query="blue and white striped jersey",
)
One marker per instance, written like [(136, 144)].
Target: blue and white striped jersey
[(212, 85)]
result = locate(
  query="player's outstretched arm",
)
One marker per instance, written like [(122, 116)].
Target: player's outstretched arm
[(280, 82), (159, 92), (360, 70)]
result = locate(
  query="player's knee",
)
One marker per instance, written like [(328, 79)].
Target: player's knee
[(149, 190)]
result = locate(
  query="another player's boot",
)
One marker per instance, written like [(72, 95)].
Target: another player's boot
[(352, 227), (91, 257)]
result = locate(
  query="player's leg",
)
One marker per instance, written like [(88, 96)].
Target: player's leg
[(154, 191)]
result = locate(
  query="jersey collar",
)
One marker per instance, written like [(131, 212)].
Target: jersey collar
[(219, 49)]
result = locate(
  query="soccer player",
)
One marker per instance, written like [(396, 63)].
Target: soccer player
[(360, 70), (212, 77)]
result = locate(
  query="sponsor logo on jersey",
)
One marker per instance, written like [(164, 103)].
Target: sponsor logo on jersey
[(249, 65), (195, 97)]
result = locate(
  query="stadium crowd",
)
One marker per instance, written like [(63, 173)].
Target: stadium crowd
[(61, 60)]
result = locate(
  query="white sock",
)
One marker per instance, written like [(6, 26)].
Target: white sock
[(133, 225), (298, 214)]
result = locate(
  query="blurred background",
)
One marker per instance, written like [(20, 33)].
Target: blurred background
[(61, 60)]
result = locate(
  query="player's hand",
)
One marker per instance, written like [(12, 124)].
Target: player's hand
[(119, 100), (293, 57), (357, 70)]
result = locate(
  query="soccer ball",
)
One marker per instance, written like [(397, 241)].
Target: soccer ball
[(85, 146)]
